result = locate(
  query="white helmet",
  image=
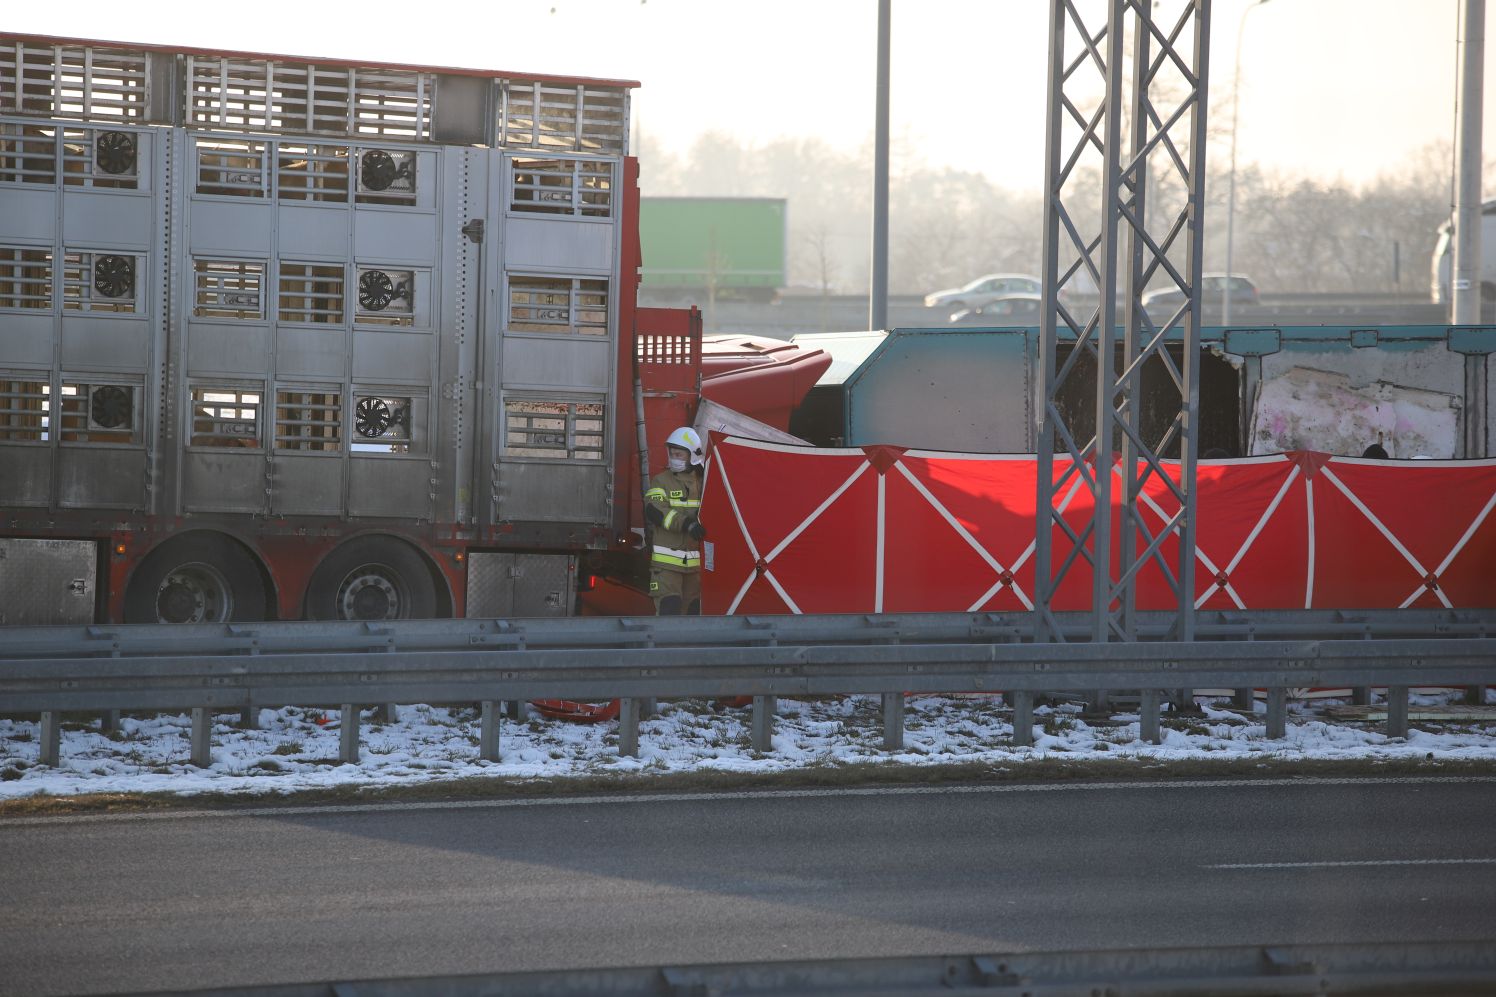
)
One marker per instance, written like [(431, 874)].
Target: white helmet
[(689, 440)]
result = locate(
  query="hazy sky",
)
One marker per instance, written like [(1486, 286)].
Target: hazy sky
[(1332, 88)]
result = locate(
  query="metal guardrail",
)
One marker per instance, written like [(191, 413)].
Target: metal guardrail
[(122, 640), (227, 668), (1383, 968)]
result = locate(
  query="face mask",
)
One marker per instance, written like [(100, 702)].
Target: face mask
[(677, 464)]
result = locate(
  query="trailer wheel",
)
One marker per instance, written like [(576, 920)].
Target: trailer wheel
[(372, 578), (199, 578)]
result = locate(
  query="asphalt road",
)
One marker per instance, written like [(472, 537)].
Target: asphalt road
[(104, 905)]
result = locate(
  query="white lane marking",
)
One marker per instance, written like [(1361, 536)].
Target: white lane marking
[(1353, 864), (747, 794)]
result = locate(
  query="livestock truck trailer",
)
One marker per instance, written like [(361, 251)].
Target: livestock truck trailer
[(285, 337)]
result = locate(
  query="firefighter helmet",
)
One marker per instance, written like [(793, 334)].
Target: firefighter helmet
[(690, 441)]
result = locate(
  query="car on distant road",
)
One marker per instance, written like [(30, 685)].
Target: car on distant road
[(1017, 308), (982, 290), (1238, 286)]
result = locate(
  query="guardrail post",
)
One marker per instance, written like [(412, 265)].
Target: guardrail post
[(1361, 695), (348, 734), (488, 732), (763, 724), (1101, 702), (1475, 695), (515, 708), (1184, 700), (1023, 719), (1148, 728), (249, 718), (1397, 711), (1245, 699), (628, 727), (1277, 712), (202, 737), (109, 722), (51, 736), (893, 721), (387, 713)]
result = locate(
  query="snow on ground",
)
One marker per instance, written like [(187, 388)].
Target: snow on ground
[(294, 751)]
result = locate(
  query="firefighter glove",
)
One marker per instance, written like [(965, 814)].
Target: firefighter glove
[(695, 529)]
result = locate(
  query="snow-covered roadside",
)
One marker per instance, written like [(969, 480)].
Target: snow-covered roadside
[(293, 751)]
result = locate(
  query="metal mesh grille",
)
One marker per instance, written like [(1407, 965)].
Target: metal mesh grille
[(311, 173), (232, 168), (94, 412), (308, 419), (25, 278), (553, 117), (75, 82), (311, 292), (23, 410), (385, 297), (553, 429), (262, 95), (28, 153), (228, 289), (578, 187), (387, 423), (386, 176), (100, 282), (564, 305), (225, 416), (98, 157)]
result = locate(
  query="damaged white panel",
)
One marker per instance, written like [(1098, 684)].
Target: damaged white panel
[(1308, 409), (711, 417)]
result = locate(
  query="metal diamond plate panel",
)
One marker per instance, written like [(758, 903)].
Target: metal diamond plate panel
[(520, 585), (44, 582)]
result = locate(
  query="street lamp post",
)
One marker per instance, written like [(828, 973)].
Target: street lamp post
[(1241, 30)]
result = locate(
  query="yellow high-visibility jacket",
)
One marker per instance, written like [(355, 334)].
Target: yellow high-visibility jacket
[(675, 499)]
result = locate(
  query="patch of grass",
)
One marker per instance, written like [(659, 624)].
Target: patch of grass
[(269, 765), (23, 736), (1055, 724), (292, 747)]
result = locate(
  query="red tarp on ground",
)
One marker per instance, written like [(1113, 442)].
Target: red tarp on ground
[(882, 529)]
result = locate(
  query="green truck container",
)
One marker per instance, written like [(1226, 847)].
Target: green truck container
[(692, 245)]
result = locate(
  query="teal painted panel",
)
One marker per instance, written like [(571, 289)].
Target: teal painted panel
[(1472, 340), (965, 391), (1253, 342)]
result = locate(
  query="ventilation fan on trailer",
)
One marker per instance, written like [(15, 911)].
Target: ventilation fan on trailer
[(379, 171), (109, 407), (115, 152), (114, 276), (376, 290), (371, 417)]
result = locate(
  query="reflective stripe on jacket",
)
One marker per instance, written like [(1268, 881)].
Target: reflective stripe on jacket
[(675, 558), (675, 497)]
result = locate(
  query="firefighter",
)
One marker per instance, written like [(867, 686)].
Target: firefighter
[(671, 507)]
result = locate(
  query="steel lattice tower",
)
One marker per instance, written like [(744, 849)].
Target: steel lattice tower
[(1151, 74)]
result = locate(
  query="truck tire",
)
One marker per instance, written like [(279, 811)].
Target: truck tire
[(197, 578), (372, 578)]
